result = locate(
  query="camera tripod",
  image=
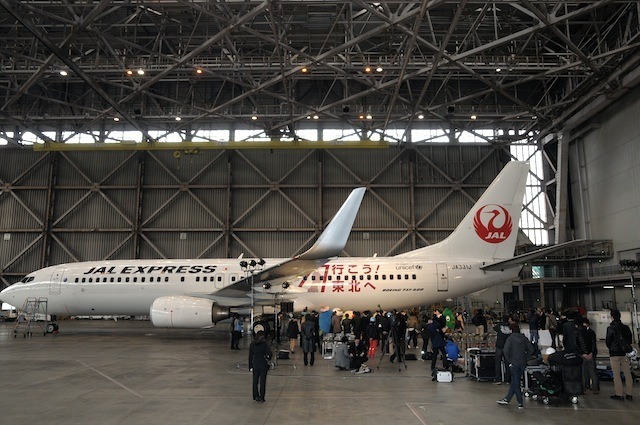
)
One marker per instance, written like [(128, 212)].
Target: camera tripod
[(399, 348)]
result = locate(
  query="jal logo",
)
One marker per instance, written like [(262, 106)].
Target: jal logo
[(493, 223)]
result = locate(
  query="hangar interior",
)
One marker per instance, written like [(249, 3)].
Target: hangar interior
[(197, 129)]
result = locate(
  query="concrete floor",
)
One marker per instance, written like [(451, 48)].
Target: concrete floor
[(126, 372)]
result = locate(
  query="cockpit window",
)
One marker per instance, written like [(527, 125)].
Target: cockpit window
[(27, 279)]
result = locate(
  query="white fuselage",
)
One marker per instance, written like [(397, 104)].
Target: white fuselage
[(129, 287)]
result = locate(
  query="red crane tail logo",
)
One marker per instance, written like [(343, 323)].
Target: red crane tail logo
[(493, 223)]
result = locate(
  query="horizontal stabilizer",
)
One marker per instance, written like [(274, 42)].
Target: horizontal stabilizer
[(529, 256)]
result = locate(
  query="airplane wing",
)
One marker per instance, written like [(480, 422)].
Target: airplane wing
[(329, 244), (522, 259)]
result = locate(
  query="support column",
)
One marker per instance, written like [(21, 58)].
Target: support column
[(562, 188)]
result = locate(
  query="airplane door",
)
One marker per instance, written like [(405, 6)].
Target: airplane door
[(56, 280), (443, 277), (219, 278)]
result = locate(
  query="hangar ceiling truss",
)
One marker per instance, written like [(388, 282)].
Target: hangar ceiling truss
[(525, 65)]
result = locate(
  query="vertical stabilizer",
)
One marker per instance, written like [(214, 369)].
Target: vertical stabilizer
[(490, 228)]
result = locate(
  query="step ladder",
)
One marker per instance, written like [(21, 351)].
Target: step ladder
[(32, 316)]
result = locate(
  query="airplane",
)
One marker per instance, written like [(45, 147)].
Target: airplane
[(478, 254), (189, 293)]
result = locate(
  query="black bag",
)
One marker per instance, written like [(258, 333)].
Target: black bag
[(410, 356), (427, 355), (283, 354), (620, 344)]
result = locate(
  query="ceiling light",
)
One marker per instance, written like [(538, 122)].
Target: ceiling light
[(369, 117), (498, 69), (64, 73), (379, 69), (420, 116), (316, 116), (199, 71), (140, 71), (178, 119), (254, 117), (116, 119), (129, 72), (608, 286), (474, 117), (304, 70), (367, 69), (361, 116)]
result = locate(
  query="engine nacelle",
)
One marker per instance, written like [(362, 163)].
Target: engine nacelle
[(181, 311)]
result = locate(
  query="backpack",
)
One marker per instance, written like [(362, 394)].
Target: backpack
[(619, 343)]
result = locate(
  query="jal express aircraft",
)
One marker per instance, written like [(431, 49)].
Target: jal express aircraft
[(198, 293)]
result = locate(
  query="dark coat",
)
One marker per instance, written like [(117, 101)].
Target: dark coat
[(308, 333), (617, 327), (259, 354), (518, 349), (435, 335)]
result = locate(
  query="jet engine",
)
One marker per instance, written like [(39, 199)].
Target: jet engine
[(185, 312)]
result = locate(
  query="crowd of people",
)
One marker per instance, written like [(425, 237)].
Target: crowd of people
[(364, 336)]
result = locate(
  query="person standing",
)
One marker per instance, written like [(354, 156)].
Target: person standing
[(551, 323), (308, 339), (502, 333), (236, 332), (259, 357), (293, 330), (617, 334), (589, 372), (534, 330), (436, 335), (398, 333), (517, 351), (346, 325), (412, 329)]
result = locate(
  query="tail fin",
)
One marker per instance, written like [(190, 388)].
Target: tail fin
[(490, 228)]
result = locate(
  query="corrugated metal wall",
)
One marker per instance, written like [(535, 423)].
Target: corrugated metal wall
[(74, 206), (605, 178)]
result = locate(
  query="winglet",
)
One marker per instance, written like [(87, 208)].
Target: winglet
[(333, 239)]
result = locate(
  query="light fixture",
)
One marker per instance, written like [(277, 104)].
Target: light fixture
[(369, 117), (129, 72), (608, 286), (116, 119), (254, 117), (140, 71), (474, 117), (498, 69), (316, 116), (266, 285), (304, 70), (178, 119), (63, 72), (379, 69), (361, 116), (420, 116), (367, 69), (199, 71)]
